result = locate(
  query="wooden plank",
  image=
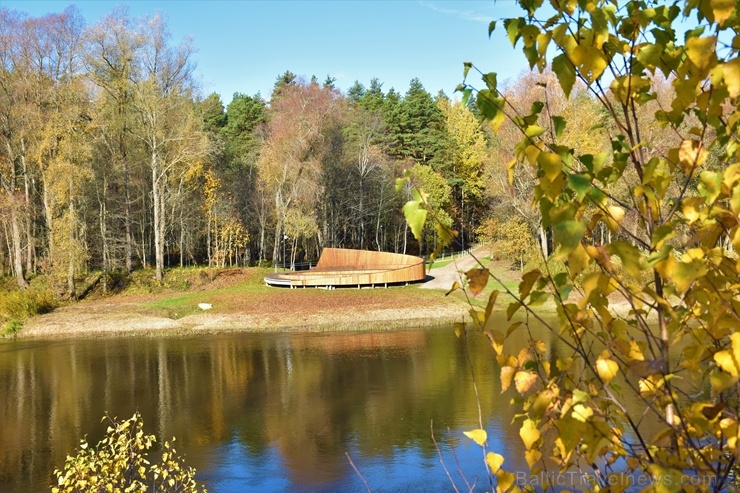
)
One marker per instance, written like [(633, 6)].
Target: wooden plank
[(349, 267)]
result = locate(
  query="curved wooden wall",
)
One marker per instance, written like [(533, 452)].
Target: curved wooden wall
[(347, 267)]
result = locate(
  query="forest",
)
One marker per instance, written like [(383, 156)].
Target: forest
[(113, 160)]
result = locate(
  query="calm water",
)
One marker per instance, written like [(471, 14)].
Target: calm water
[(263, 412)]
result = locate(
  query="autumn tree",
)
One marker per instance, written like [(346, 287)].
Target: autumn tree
[(167, 123), (673, 345), (112, 57), (290, 162), (364, 134), (467, 152), (15, 120)]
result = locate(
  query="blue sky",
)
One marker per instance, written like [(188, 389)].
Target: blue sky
[(244, 45)]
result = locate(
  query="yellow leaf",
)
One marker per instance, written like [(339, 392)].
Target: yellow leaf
[(614, 217), (505, 480), (507, 373), (510, 167), (497, 341), (702, 53), (455, 286), (539, 346), (551, 164), (722, 381), (532, 457), (582, 413), (578, 260), (524, 380), (477, 280), (731, 75), (607, 369), (491, 302), (478, 436), (529, 433), (478, 317), (691, 155), (494, 461), (590, 62), (729, 360), (564, 363), (722, 10), (725, 361)]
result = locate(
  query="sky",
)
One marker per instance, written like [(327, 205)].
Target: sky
[(243, 45)]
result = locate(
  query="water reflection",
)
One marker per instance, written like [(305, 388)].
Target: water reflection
[(267, 412)]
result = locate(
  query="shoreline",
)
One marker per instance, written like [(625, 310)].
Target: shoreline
[(66, 325), (243, 303)]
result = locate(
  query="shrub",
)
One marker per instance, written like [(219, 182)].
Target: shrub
[(16, 306), (118, 463)]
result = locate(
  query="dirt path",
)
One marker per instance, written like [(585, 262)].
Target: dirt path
[(444, 277)]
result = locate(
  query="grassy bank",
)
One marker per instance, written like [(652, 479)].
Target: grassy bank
[(138, 304)]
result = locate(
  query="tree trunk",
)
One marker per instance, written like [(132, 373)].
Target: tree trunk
[(29, 206), (543, 241), (17, 251), (103, 218), (158, 199), (73, 241), (49, 218)]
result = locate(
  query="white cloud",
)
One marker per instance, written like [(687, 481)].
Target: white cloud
[(468, 15)]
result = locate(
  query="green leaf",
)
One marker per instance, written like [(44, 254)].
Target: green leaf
[(416, 215), (568, 234), (533, 131), (513, 327), (513, 27), (467, 66), (628, 254), (490, 80), (580, 184), (558, 122), (528, 281), (491, 28), (565, 72), (512, 309), (466, 96), (486, 102)]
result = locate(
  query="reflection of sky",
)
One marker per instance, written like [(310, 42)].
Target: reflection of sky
[(237, 470), (234, 469)]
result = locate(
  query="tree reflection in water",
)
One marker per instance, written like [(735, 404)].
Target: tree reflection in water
[(262, 411)]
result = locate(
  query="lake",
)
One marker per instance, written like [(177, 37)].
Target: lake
[(266, 412)]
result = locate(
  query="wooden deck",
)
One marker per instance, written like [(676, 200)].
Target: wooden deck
[(346, 267)]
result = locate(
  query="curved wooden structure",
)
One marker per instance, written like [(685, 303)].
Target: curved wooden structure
[(346, 267)]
